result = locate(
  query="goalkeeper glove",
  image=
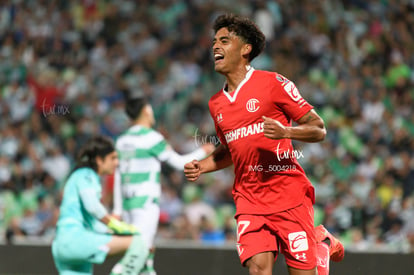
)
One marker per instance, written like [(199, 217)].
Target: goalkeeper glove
[(122, 228)]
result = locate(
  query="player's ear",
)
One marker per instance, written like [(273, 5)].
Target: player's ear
[(247, 48), (99, 162)]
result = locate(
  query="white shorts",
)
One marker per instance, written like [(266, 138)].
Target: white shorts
[(146, 219)]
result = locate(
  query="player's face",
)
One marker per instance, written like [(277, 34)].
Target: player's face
[(108, 164), (227, 51)]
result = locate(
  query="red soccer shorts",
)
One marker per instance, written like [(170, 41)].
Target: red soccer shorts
[(290, 232)]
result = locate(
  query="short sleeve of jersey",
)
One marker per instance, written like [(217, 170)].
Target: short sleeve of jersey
[(287, 96), (219, 133), (160, 147)]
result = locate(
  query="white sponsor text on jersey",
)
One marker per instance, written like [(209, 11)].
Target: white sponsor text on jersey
[(243, 132)]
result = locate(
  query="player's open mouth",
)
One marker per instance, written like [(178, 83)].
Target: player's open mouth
[(218, 57)]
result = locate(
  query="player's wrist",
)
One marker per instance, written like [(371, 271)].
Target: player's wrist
[(287, 132)]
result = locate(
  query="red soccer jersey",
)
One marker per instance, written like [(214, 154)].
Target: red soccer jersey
[(268, 177)]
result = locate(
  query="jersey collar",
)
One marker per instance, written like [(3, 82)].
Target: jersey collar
[(135, 127), (233, 97)]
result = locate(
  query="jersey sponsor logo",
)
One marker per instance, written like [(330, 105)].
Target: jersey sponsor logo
[(219, 118), (280, 78), (243, 132), (298, 241), (252, 105), (127, 146), (293, 92)]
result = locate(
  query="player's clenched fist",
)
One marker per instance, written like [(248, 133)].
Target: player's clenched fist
[(192, 170), (273, 129)]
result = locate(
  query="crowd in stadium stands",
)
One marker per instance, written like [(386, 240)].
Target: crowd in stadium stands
[(64, 65)]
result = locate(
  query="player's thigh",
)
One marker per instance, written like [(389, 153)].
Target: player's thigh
[(119, 244), (295, 271), (76, 246), (261, 263), (295, 229), (254, 238), (146, 219)]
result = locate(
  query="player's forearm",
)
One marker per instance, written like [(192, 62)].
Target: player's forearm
[(178, 161), (306, 133), (311, 128), (92, 204), (219, 159)]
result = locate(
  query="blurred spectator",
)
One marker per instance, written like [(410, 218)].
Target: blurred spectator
[(196, 210)]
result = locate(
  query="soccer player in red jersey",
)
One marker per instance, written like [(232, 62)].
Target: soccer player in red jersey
[(253, 116)]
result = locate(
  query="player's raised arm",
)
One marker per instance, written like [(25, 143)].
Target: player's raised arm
[(219, 159), (177, 161), (311, 128)]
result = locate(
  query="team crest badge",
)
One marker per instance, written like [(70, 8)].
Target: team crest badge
[(252, 105)]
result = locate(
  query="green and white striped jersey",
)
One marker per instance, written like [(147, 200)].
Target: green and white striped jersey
[(141, 151)]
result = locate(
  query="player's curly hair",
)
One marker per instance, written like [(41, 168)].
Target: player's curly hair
[(244, 28)]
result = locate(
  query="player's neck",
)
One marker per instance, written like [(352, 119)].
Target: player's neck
[(143, 122), (233, 79)]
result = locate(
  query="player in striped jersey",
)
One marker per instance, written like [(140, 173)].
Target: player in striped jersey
[(137, 187)]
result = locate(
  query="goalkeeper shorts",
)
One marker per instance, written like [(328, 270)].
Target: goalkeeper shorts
[(75, 250)]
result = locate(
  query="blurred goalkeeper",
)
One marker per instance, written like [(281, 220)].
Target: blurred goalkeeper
[(86, 233)]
